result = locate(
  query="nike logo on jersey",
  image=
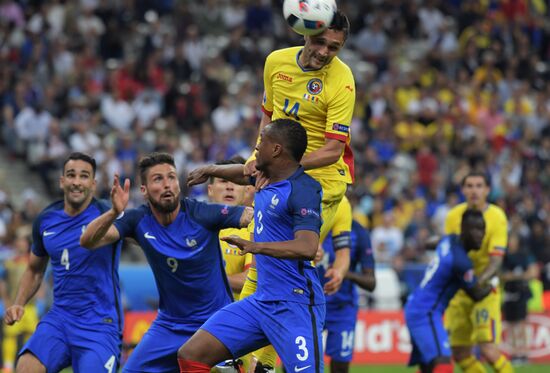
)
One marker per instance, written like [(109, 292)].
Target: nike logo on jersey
[(190, 243), (296, 369), (345, 353), (46, 233), (149, 237), (83, 229)]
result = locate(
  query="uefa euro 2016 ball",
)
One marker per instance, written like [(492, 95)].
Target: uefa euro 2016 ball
[(309, 17)]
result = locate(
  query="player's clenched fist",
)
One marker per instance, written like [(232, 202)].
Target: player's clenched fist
[(13, 314)]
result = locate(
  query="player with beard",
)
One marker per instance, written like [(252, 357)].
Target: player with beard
[(180, 239), (84, 326)]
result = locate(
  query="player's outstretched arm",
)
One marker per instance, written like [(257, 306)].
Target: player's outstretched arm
[(325, 155), (231, 172), (302, 247), (495, 262), (101, 231), (28, 286)]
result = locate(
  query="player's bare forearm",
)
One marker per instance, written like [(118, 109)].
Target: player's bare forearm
[(302, 247), (324, 156), (231, 172), (31, 280), (365, 280), (100, 231), (236, 281), (341, 261), (495, 262)]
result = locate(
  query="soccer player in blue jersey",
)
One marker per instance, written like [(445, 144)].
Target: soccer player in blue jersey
[(180, 239), (84, 326), (450, 270), (288, 308), (342, 307)]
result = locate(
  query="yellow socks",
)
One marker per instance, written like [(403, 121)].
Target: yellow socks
[(471, 365), (503, 365)]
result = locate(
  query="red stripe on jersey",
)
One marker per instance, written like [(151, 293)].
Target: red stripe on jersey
[(267, 112), (497, 253), (246, 267), (336, 136), (348, 159)]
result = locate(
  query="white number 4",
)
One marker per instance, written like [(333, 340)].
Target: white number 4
[(110, 364), (65, 259)]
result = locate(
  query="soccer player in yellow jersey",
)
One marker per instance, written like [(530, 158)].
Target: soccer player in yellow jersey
[(311, 85), (225, 192), (478, 323)]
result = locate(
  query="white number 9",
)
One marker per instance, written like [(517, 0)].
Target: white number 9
[(172, 263)]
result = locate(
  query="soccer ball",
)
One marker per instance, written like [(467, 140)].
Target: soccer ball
[(309, 17)]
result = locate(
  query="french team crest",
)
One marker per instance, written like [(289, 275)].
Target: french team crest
[(315, 86)]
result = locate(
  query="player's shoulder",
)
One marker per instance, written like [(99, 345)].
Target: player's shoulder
[(458, 210), (496, 212), (52, 208), (283, 54), (341, 67), (303, 182)]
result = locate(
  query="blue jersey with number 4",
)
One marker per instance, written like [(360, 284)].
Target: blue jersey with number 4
[(85, 282), (185, 257), (449, 270), (280, 210)]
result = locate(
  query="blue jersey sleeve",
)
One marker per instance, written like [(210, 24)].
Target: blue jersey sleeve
[(364, 248), (127, 222), (214, 216), (304, 204), (37, 247), (463, 269)]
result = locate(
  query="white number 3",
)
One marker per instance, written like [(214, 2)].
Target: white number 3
[(301, 342)]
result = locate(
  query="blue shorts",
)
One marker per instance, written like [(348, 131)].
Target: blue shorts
[(158, 349), (428, 337), (60, 342), (340, 327), (294, 330)]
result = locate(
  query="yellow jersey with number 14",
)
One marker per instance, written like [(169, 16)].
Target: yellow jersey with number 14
[(496, 234), (321, 100)]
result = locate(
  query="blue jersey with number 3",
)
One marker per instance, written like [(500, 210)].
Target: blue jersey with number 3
[(185, 257), (449, 270), (280, 210), (85, 282)]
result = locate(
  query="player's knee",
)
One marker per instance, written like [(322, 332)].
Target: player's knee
[(28, 363)]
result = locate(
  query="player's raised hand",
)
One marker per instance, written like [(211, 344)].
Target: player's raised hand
[(198, 176), (13, 314), (120, 194), (336, 278), (245, 245)]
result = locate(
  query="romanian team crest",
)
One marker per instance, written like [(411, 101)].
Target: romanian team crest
[(315, 86)]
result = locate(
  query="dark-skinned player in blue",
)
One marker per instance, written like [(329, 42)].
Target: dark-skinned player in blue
[(450, 270), (83, 329), (180, 239), (288, 308)]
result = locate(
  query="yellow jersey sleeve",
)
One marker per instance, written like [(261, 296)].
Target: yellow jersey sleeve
[(340, 104), (497, 240), (343, 218), (234, 262), (267, 102)]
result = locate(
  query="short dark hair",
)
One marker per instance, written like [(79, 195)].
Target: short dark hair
[(471, 214), (340, 22), (78, 156), (151, 160), (237, 159), (477, 174), (291, 135)]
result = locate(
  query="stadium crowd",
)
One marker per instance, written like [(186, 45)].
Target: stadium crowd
[(443, 88)]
